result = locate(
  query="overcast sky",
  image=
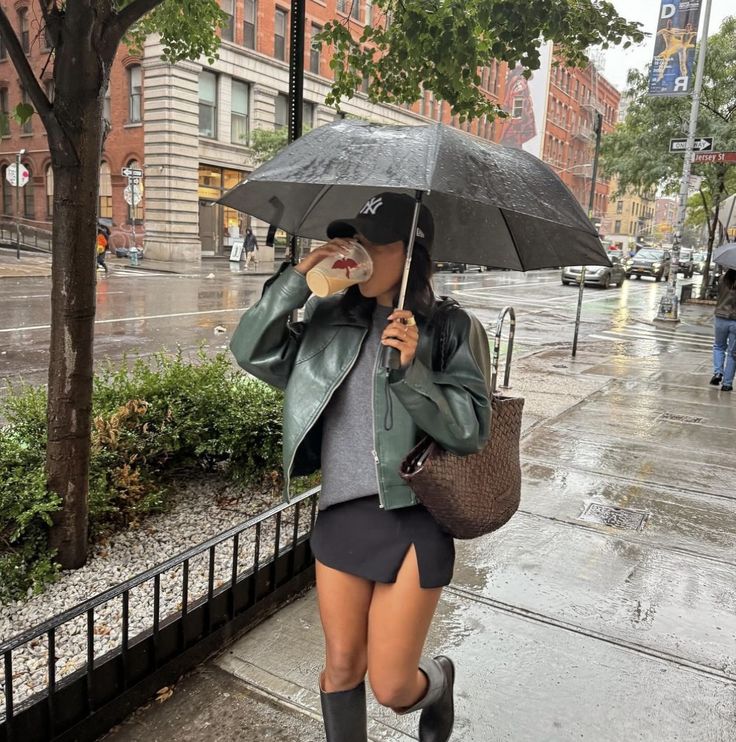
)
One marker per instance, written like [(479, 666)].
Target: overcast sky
[(618, 61)]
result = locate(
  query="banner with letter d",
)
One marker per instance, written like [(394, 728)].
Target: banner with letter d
[(673, 63)]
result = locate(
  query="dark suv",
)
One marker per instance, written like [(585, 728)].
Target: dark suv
[(686, 263), (649, 262)]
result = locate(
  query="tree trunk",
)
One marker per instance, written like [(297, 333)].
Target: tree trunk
[(712, 226), (81, 77)]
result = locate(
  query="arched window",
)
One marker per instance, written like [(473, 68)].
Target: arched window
[(49, 191), (29, 206), (105, 209), (135, 213), (135, 89)]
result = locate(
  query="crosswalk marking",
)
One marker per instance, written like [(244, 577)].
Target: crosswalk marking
[(692, 341)]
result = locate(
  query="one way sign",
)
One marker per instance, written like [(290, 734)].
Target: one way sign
[(701, 144)]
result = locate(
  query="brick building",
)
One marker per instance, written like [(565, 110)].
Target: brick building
[(665, 219), (575, 94), (123, 146)]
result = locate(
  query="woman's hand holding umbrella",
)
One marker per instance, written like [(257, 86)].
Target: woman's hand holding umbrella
[(402, 333)]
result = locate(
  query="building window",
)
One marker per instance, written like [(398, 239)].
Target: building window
[(29, 207), (50, 89), (49, 191), (249, 24), (27, 127), (342, 5), (107, 106), (355, 10), (4, 113), (239, 123), (207, 104), (7, 192), (25, 38), (314, 50), (617, 228), (105, 209), (3, 50), (368, 12), (279, 34), (308, 110), (134, 212), (228, 27), (134, 93), (518, 108), (281, 118)]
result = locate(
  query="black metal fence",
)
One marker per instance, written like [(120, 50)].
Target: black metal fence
[(252, 569)]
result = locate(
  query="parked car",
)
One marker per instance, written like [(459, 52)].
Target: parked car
[(597, 275), (699, 259), (686, 264), (649, 262), (443, 265)]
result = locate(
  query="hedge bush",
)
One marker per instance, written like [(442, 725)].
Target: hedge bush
[(152, 421)]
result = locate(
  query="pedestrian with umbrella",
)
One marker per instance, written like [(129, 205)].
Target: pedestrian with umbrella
[(382, 559)]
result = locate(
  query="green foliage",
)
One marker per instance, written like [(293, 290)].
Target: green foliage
[(187, 29), (439, 45), (266, 143), (22, 112), (154, 422), (637, 150)]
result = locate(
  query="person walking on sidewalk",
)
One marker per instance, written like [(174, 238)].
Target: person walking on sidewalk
[(101, 247), (724, 343), (250, 245), (381, 559)]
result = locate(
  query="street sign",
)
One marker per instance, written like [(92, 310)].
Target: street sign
[(132, 172), (715, 157), (701, 144), (128, 196), (12, 177)]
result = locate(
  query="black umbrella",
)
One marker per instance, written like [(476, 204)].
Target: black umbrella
[(492, 205)]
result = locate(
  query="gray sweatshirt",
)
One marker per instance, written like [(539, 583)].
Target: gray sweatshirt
[(348, 464)]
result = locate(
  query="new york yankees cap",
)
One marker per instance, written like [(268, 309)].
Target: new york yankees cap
[(385, 218)]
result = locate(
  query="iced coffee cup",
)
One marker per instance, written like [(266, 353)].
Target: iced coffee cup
[(337, 272)]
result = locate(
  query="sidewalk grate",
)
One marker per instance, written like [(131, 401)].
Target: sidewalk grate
[(608, 515), (671, 417)]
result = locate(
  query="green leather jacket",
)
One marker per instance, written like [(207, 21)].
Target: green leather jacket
[(310, 359)]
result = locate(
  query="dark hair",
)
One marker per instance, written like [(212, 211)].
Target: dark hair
[(420, 298), (729, 278)]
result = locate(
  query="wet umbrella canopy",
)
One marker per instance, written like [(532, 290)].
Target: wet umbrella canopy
[(725, 255), (492, 205)]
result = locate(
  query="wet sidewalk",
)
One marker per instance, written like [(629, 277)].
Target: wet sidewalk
[(30, 265), (603, 611)]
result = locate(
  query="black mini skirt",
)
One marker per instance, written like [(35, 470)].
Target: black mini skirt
[(361, 538)]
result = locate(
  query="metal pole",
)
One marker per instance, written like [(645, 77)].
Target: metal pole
[(669, 309), (17, 203), (131, 183), (296, 87), (598, 127)]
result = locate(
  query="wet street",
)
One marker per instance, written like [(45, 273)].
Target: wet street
[(140, 312), (605, 609)]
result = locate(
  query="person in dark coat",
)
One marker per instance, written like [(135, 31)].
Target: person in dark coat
[(250, 247)]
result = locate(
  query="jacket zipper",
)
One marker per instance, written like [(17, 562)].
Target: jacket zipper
[(315, 417), (373, 423)]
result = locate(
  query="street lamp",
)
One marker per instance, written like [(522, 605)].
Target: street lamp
[(17, 202)]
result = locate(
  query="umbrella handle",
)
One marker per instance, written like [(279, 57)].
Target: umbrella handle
[(390, 357)]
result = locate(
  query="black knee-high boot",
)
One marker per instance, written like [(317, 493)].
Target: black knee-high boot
[(344, 715), (437, 704)]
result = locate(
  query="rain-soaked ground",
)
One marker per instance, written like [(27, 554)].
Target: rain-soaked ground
[(604, 611)]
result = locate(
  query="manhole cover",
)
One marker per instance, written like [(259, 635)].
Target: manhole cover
[(608, 515), (671, 417)]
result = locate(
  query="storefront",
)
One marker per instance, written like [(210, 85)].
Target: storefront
[(218, 225)]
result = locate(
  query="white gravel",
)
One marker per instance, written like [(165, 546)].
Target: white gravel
[(203, 509)]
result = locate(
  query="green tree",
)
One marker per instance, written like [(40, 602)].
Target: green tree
[(85, 36), (437, 45), (637, 150)]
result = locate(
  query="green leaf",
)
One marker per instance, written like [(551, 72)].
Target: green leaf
[(22, 112)]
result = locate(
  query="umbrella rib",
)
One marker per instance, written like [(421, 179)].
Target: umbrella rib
[(513, 239), (313, 205)]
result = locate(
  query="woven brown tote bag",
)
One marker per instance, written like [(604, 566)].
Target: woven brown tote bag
[(476, 494)]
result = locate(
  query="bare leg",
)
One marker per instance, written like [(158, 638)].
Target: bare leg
[(344, 602), (400, 616)]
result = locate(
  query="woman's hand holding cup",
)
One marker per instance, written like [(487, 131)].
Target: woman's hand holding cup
[(336, 265), (333, 247)]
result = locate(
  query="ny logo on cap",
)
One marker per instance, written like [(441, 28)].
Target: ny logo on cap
[(372, 206)]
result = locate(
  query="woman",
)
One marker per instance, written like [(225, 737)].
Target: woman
[(381, 558), (724, 344), (250, 245)]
